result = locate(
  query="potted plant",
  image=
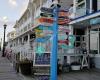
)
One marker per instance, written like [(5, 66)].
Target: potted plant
[(25, 66), (75, 65)]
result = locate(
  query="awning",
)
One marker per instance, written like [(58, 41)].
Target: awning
[(87, 20)]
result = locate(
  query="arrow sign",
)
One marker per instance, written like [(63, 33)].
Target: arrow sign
[(43, 39), (46, 14), (44, 19), (63, 41), (46, 10), (42, 27)]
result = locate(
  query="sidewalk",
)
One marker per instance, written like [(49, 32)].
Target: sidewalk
[(8, 73)]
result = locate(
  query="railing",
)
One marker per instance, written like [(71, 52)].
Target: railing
[(80, 12)]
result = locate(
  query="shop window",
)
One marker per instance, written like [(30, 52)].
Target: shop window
[(32, 36), (94, 5), (25, 38), (94, 41)]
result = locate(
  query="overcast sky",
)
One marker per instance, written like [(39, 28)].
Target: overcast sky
[(10, 11)]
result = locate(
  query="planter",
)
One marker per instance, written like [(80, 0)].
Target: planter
[(26, 67), (76, 67)]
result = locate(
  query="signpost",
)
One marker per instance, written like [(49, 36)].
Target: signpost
[(54, 44), (54, 19)]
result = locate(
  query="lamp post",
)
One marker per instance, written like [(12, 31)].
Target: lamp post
[(3, 55)]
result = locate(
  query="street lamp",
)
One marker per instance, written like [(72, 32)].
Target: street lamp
[(3, 55)]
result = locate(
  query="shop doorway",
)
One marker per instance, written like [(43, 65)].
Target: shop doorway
[(79, 33), (94, 5)]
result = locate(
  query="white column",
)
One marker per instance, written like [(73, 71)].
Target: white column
[(68, 59), (91, 6), (87, 40), (28, 39), (74, 8), (22, 39), (71, 29), (18, 42)]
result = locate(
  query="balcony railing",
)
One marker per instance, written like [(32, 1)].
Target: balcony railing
[(80, 12)]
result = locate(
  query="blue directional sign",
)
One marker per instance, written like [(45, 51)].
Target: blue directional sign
[(43, 27), (43, 39)]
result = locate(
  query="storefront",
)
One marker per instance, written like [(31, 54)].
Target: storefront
[(87, 30)]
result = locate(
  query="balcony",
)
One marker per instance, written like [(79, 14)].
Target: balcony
[(80, 12)]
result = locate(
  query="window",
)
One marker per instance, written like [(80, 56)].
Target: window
[(32, 36), (79, 1), (29, 26), (94, 41), (25, 38), (25, 28)]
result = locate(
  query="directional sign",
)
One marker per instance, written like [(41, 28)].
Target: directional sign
[(63, 21), (43, 39), (62, 36), (64, 46), (64, 29), (46, 15), (63, 13), (42, 27), (46, 10), (44, 19), (63, 41)]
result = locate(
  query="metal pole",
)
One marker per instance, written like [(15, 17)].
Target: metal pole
[(54, 45), (3, 54), (1, 45)]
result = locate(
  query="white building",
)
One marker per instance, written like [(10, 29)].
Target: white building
[(86, 16), (86, 26)]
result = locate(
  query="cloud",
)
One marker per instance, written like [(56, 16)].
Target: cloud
[(23, 7), (5, 19), (13, 2)]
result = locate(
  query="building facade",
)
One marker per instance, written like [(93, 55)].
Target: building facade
[(86, 26), (85, 15)]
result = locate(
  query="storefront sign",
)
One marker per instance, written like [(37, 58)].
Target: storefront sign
[(42, 59), (95, 21)]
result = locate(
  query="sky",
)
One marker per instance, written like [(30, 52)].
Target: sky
[(10, 11)]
